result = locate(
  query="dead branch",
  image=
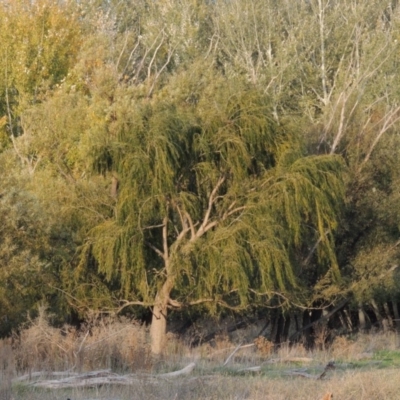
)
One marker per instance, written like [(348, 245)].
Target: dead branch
[(330, 366), (289, 360), (206, 225), (39, 374), (97, 378), (184, 371), (232, 354)]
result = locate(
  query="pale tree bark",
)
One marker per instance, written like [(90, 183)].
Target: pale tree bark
[(158, 328), (377, 313), (388, 318), (114, 187), (361, 318), (321, 21)]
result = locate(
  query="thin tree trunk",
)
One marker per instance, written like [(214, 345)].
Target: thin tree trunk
[(286, 328), (264, 328), (274, 326), (377, 313), (361, 318), (296, 321), (396, 314), (324, 318), (307, 324), (389, 318), (348, 319), (279, 329), (342, 321)]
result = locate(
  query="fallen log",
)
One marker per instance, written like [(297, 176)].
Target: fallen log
[(97, 378), (184, 371), (289, 360), (232, 354), (47, 374), (76, 382)]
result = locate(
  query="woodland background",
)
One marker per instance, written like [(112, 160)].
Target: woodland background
[(185, 158)]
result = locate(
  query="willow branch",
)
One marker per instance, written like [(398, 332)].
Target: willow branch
[(132, 303), (181, 214), (200, 301), (189, 219), (234, 211), (69, 295), (157, 250), (130, 56), (144, 57), (153, 226), (312, 251), (170, 53), (165, 238), (390, 120), (211, 201), (122, 51), (174, 303), (155, 54)]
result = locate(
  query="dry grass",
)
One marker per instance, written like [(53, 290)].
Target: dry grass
[(122, 346), (103, 343), (361, 385), (7, 369), (363, 346)]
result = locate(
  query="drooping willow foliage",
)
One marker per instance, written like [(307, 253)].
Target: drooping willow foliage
[(268, 198)]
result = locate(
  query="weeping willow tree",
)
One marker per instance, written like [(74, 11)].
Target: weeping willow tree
[(214, 199)]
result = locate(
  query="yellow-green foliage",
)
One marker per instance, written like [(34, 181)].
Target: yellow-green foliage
[(268, 198), (41, 40)]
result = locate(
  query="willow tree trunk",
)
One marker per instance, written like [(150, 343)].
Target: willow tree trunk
[(158, 329)]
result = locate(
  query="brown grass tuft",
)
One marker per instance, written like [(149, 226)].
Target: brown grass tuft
[(264, 346), (115, 343)]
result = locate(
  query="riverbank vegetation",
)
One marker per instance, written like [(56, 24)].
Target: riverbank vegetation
[(171, 160)]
